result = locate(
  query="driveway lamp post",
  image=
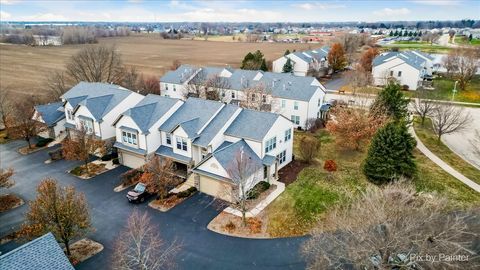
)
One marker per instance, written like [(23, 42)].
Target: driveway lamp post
[(454, 91)]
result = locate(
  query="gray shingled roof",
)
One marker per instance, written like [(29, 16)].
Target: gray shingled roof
[(193, 108), (226, 156), (282, 85), (180, 75), (252, 124), (99, 98), (217, 123), (409, 57), (41, 253), (149, 110), (51, 113), (317, 54), (166, 151)]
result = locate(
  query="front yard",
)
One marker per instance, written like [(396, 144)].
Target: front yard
[(315, 191), (444, 86)]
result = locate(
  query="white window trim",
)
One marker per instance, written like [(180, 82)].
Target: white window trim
[(183, 143), (130, 138)]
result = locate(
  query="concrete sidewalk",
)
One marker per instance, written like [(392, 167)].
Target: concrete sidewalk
[(442, 164)]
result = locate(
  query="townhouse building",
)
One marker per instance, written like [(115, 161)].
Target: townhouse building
[(303, 61)]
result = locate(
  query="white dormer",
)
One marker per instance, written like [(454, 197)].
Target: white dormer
[(258, 76), (225, 73)]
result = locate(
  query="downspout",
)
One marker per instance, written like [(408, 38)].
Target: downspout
[(146, 146)]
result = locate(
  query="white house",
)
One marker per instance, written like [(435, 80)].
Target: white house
[(303, 61), (202, 137), (409, 68), (297, 98), (95, 106), (53, 116)]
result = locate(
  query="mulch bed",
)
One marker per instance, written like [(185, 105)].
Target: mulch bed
[(167, 203), (289, 173), (25, 150), (84, 249), (232, 225), (93, 170), (9, 201)]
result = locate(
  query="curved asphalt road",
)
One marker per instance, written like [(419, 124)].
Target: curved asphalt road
[(201, 248)]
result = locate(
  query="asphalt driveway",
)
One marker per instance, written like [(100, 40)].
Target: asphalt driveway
[(186, 223)]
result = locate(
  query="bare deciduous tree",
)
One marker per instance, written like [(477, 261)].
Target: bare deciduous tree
[(81, 145), (424, 104), (358, 78), (256, 97), (309, 148), (462, 64), (196, 85), (215, 87), (96, 64), (159, 176), (390, 228), (140, 246), (6, 107), (57, 84), (243, 172), (448, 118), (5, 178), (23, 125)]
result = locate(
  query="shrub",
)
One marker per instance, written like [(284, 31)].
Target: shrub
[(258, 189), (255, 225), (230, 226), (186, 193), (131, 177), (56, 154), (77, 171), (43, 142), (330, 165), (106, 157), (116, 161), (308, 148)]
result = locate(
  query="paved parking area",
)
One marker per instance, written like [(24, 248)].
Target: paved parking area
[(187, 223)]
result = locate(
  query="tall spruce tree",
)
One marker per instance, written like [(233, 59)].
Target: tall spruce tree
[(390, 155), (288, 67), (392, 102), (287, 52)]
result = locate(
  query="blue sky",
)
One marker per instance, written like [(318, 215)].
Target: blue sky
[(237, 10)]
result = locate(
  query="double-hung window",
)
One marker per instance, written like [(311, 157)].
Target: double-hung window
[(295, 119), (284, 103), (233, 94), (181, 143), (168, 138), (295, 105), (69, 115), (288, 134), (282, 157), (270, 144), (87, 125), (399, 74), (174, 88), (264, 99), (129, 137)]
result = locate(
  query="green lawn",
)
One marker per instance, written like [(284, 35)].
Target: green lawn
[(315, 191), (428, 137), (416, 45), (444, 87), (463, 40), (3, 137)]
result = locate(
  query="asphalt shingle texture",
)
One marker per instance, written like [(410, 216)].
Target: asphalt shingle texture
[(251, 124), (50, 112)]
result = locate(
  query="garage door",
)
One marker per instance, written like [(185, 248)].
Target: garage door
[(215, 188), (132, 160)]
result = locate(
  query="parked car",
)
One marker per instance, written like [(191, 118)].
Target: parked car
[(138, 194)]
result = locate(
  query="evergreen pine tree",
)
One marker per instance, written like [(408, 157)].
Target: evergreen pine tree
[(391, 33), (249, 57), (390, 155), (470, 37), (264, 65), (392, 102), (288, 67), (287, 52)]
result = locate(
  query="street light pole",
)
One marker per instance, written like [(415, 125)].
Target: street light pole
[(454, 91)]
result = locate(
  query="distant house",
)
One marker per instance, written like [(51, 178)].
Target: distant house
[(297, 98), (303, 61), (53, 116), (411, 69), (95, 106), (202, 138), (41, 253)]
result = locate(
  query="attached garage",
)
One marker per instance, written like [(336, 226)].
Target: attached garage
[(214, 187), (131, 160)]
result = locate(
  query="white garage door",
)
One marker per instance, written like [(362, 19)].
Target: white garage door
[(132, 160), (215, 188)]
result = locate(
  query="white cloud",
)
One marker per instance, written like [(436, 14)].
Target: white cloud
[(4, 15), (437, 2), (311, 6), (392, 12), (9, 2), (44, 17)]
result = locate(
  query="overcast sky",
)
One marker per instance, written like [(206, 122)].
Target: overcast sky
[(237, 11)]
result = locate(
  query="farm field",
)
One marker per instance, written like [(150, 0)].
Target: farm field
[(23, 69)]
